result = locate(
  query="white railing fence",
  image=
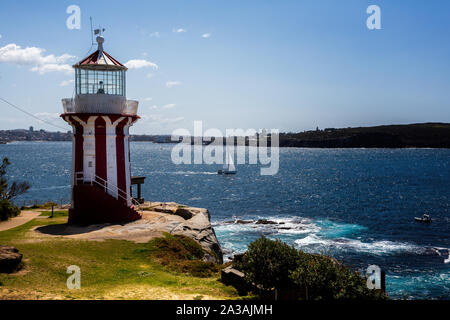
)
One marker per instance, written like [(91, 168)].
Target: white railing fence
[(102, 183)]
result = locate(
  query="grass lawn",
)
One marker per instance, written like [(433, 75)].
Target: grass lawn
[(111, 269), (55, 214)]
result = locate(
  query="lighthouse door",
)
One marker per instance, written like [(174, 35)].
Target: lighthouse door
[(89, 168), (89, 153)]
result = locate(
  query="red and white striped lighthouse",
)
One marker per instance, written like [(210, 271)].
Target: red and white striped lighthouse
[(100, 116)]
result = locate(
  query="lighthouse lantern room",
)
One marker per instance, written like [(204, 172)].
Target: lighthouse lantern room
[(100, 116)]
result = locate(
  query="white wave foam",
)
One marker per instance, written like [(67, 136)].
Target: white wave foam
[(376, 247), (282, 226), (192, 172), (184, 172), (321, 234), (53, 187)]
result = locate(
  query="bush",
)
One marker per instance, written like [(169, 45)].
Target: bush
[(182, 254), (321, 277), (9, 192), (272, 264), (7, 210), (178, 247), (198, 268), (267, 263)]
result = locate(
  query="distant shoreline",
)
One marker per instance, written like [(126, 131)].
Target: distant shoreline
[(420, 135), (283, 147)]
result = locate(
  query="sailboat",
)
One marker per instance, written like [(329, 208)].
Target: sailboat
[(228, 166)]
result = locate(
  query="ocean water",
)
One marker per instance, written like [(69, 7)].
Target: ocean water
[(357, 205)]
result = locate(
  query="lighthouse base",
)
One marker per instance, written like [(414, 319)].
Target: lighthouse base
[(91, 205)]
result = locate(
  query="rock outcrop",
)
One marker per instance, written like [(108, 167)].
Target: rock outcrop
[(157, 218), (10, 258), (196, 224)]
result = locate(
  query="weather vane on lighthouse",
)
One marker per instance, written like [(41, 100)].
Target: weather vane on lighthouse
[(100, 116), (99, 31)]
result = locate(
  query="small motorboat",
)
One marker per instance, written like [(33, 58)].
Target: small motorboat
[(220, 171), (448, 259), (425, 219)]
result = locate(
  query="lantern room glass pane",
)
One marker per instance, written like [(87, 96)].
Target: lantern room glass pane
[(100, 82)]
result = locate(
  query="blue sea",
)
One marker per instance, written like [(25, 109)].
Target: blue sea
[(357, 205)]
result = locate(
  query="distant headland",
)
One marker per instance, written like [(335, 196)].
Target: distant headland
[(418, 135)]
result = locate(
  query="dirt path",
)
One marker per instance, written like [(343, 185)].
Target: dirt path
[(24, 217)]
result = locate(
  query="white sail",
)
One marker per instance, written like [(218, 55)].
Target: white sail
[(230, 161), (225, 165), (228, 166)]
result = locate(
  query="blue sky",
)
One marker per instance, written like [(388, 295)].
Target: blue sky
[(289, 65)]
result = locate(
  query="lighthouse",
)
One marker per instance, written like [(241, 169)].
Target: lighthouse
[(100, 116)]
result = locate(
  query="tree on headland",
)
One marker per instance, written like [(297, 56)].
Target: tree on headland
[(274, 266), (9, 192), (16, 188)]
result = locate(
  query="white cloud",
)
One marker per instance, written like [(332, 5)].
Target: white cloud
[(170, 84), (33, 56), (46, 68), (140, 63), (180, 30), (156, 118), (66, 83), (169, 106), (206, 35), (155, 34), (47, 116)]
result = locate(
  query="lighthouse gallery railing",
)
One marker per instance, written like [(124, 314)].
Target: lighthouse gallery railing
[(105, 104)]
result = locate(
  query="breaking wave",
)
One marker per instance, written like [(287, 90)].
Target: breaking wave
[(185, 172), (309, 235), (376, 247)]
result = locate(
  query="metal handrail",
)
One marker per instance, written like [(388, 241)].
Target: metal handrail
[(106, 186)]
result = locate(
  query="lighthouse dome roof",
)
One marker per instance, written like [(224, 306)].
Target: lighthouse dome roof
[(100, 59)]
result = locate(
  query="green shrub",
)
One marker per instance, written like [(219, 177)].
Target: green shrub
[(7, 210), (267, 263), (272, 264), (198, 268), (182, 254), (321, 277), (179, 247), (7, 191)]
